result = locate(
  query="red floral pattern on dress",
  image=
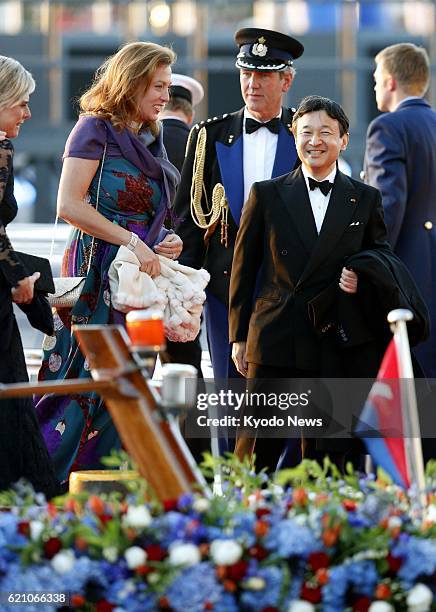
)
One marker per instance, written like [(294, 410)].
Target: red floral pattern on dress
[(138, 194)]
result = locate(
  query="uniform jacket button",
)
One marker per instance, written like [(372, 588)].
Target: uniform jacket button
[(428, 225), (226, 272), (284, 252)]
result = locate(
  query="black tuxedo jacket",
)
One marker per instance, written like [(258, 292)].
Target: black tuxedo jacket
[(278, 248)]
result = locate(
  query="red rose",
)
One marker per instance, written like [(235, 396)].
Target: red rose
[(312, 594), (349, 505), (104, 606), (237, 571), (394, 563), (52, 547), (105, 518), (258, 552), (362, 604), (260, 512), (23, 527), (170, 504), (317, 560), (155, 552)]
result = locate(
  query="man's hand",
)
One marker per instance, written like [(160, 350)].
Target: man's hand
[(348, 281), (23, 292), (238, 356)]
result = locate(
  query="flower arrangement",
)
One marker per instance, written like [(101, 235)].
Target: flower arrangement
[(308, 540)]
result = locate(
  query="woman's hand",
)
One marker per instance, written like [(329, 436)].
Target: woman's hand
[(170, 247), (23, 293), (148, 259)]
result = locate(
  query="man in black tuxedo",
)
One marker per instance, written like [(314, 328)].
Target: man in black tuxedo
[(295, 233)]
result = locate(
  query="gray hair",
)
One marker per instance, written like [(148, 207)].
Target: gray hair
[(16, 82)]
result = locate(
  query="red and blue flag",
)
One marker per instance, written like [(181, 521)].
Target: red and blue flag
[(381, 421)]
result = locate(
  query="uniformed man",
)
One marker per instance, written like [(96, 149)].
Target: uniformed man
[(224, 157), (177, 117), (186, 93)]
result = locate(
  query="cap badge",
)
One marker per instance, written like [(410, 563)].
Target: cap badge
[(260, 47)]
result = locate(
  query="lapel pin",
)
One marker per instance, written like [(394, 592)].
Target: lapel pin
[(353, 200), (230, 138)]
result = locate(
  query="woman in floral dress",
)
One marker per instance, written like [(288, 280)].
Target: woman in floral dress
[(118, 123), (23, 453)]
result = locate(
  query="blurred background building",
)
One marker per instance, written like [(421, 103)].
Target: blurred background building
[(62, 44)]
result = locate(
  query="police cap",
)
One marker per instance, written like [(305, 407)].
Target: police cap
[(265, 50)]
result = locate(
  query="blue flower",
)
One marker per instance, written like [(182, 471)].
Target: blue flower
[(269, 595), (363, 576), (333, 593), (193, 587), (287, 538), (419, 558), (170, 527)]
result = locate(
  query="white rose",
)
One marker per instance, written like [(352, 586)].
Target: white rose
[(36, 528), (135, 556), (381, 606), (225, 552), (201, 505), (110, 553), (137, 517), (419, 599), (255, 583), (63, 561), (184, 554), (298, 605)]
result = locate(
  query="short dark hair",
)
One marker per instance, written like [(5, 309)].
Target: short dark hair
[(179, 104), (311, 104)]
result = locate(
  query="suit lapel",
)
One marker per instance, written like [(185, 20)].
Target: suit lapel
[(340, 211), (229, 155), (286, 153), (296, 201)]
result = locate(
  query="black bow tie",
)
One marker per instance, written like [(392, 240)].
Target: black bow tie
[(324, 186), (251, 125)]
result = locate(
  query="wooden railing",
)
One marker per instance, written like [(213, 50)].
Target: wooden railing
[(150, 435)]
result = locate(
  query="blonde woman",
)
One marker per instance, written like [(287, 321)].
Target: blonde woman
[(119, 113), (22, 450)]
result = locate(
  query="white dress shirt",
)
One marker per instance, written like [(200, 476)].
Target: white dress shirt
[(259, 152), (318, 201)]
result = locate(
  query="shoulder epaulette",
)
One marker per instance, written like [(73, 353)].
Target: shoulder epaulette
[(211, 120)]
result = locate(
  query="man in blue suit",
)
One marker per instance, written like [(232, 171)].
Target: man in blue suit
[(225, 155), (400, 161)]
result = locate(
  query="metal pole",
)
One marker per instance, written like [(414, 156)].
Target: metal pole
[(411, 428)]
